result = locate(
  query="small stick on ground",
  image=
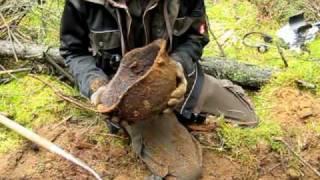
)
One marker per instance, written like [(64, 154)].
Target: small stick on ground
[(283, 58), (4, 69), (117, 136), (60, 69), (10, 37), (65, 97), (62, 122), (222, 53), (304, 162), (15, 71), (273, 167)]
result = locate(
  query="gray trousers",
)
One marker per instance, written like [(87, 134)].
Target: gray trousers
[(169, 150), (223, 98)]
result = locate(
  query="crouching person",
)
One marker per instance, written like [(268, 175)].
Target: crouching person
[(96, 34)]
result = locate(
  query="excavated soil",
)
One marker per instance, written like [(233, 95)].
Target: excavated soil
[(299, 113), (296, 107), (112, 157)]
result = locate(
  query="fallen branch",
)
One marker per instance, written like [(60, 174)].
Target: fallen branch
[(4, 69), (304, 162), (31, 52), (15, 71), (65, 97), (10, 36), (60, 69), (246, 75)]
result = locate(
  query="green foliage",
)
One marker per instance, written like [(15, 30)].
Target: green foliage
[(31, 104), (314, 48), (240, 17), (43, 22), (234, 19), (281, 10), (244, 138)]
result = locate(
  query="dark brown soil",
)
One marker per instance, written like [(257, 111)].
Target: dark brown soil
[(110, 158), (114, 160), (295, 107), (299, 113)]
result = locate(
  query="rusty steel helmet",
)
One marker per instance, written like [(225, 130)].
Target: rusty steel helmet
[(142, 85)]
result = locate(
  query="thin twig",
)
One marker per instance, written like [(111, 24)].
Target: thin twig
[(10, 37), (117, 136), (273, 167), (304, 162), (15, 71), (4, 69), (59, 68), (283, 58), (62, 122), (222, 53), (65, 97)]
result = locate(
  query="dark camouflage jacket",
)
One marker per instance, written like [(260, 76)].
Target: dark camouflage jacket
[(96, 33)]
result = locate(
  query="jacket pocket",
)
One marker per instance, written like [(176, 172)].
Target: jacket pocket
[(104, 40), (181, 25)]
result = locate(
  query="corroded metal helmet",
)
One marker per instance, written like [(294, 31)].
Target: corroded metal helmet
[(142, 85)]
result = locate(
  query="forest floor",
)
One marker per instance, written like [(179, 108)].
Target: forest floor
[(286, 112), (111, 155)]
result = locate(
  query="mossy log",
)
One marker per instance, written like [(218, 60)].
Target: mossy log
[(246, 75)]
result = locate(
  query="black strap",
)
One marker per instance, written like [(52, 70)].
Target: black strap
[(167, 23), (191, 101)]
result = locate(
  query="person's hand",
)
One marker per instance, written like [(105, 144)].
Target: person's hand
[(96, 96), (113, 119), (177, 96)]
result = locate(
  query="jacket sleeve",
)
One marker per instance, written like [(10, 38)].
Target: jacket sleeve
[(194, 40), (74, 48)]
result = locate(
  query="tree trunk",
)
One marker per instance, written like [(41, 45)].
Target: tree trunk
[(246, 75)]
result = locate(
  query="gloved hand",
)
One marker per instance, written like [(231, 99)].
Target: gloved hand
[(97, 86), (112, 121), (177, 96), (96, 96)]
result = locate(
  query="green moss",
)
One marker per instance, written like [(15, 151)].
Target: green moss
[(314, 47), (43, 22), (31, 104), (239, 138)]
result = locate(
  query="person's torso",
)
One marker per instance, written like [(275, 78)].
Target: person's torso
[(115, 31)]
